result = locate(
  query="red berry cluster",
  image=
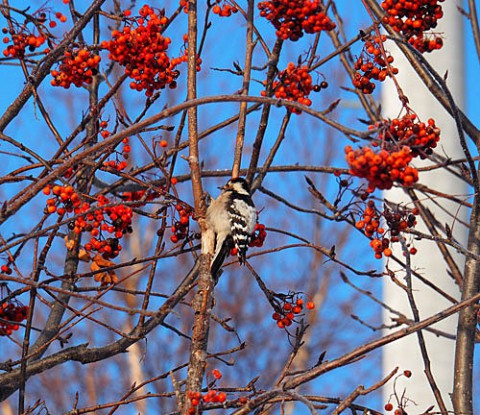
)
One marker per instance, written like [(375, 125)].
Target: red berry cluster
[(216, 374), (141, 49), (196, 398), (397, 221), (292, 308), (372, 64), (69, 172), (420, 137), (78, 68), (103, 129), (64, 199), (22, 41), (412, 18), (10, 315), (143, 196), (292, 18), (259, 235), (294, 84), (224, 9), (181, 226), (382, 168)]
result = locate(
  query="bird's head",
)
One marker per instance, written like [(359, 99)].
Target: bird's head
[(238, 184)]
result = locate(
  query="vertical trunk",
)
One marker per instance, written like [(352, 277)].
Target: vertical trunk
[(467, 322)]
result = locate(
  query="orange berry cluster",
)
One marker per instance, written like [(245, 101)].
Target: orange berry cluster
[(141, 49), (184, 4), (24, 38), (412, 18), (370, 221), (294, 84), (372, 65), (224, 9), (115, 220), (216, 374), (181, 226), (382, 168), (22, 41), (292, 308), (397, 221), (196, 398), (10, 315), (420, 137), (65, 199), (259, 235), (78, 68), (292, 18)]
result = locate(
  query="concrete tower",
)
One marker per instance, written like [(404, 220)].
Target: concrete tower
[(428, 261)]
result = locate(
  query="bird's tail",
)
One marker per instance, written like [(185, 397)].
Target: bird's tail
[(220, 259)]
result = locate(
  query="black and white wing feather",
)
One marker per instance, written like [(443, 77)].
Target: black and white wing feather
[(243, 217)]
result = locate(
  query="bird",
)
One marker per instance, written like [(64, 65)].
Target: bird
[(232, 217)]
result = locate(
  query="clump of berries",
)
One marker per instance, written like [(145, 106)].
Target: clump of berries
[(224, 8), (259, 235), (114, 220), (64, 199), (292, 308), (400, 140), (142, 49), (20, 42), (292, 19), (373, 65), (196, 399), (381, 168), (24, 37), (11, 313), (294, 84), (78, 68), (142, 196), (180, 227), (397, 221), (413, 19), (421, 137)]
